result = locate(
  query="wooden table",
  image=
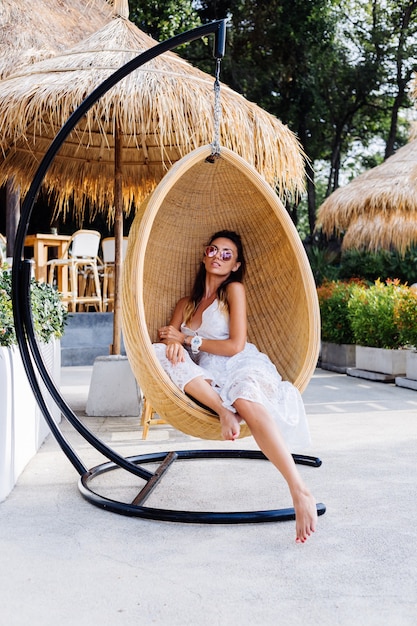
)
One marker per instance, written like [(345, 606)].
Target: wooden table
[(40, 244)]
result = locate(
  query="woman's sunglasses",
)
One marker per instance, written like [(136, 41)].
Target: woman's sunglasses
[(224, 255)]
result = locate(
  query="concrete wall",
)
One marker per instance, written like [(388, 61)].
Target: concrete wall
[(87, 336)]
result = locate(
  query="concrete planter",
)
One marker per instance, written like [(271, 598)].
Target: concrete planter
[(379, 364), (113, 388), (22, 426), (381, 360), (410, 378), (411, 364), (337, 357)]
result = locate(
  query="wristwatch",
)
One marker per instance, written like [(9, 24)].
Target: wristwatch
[(195, 344)]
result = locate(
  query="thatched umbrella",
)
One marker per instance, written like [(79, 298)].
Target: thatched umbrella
[(29, 33), (144, 124), (378, 209), (33, 31), (163, 110)]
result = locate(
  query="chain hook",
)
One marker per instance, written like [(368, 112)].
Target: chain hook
[(215, 146)]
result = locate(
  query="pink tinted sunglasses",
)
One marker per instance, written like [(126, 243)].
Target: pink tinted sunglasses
[(224, 255)]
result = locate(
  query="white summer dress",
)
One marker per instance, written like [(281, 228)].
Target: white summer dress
[(250, 374)]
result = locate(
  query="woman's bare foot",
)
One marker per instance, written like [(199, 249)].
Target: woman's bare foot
[(229, 422), (305, 515)]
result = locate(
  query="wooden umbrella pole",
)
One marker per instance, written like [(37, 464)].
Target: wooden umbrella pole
[(12, 214), (118, 243)]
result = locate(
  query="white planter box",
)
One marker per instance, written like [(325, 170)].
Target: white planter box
[(411, 365), (337, 357), (380, 360), (410, 379), (22, 426)]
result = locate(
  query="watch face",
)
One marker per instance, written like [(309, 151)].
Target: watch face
[(196, 343)]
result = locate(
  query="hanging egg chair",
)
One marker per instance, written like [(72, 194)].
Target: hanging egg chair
[(200, 195)]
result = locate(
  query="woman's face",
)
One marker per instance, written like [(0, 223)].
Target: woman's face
[(220, 257)]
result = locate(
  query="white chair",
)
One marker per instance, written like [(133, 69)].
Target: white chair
[(3, 249), (6, 262), (108, 254), (81, 259)]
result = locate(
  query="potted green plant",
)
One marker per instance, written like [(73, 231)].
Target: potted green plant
[(379, 343), (338, 350), (22, 427)]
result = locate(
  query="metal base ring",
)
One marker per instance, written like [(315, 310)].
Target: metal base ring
[(136, 508)]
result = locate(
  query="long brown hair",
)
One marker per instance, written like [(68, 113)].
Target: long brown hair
[(200, 279)]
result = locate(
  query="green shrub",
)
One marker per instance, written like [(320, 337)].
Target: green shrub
[(372, 313), (322, 264), (406, 317), (333, 299), (7, 334), (48, 312), (364, 265), (383, 264)]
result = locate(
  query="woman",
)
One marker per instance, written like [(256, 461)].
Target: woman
[(205, 352)]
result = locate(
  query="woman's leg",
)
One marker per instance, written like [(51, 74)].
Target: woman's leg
[(268, 437), (201, 390)]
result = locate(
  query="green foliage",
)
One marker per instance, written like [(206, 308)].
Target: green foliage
[(7, 334), (49, 314), (372, 312), (365, 265), (333, 299), (382, 315), (383, 264), (162, 20), (405, 315), (327, 264), (322, 263)]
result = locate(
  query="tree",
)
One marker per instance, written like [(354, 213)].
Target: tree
[(337, 72), (276, 56), (403, 20), (163, 19)]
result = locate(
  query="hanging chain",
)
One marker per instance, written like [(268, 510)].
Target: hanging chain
[(215, 146)]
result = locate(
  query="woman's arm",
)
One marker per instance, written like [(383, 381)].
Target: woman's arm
[(172, 336)]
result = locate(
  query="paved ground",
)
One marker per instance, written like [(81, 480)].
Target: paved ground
[(67, 562)]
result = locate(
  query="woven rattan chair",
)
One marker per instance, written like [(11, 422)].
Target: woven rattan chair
[(166, 240)]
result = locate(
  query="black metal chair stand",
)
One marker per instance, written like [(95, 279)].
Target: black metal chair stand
[(35, 366)]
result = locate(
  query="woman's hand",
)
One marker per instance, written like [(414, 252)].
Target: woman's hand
[(170, 333), (175, 352), (173, 339)]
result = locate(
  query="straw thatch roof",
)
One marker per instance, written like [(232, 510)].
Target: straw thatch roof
[(35, 30), (164, 110), (378, 209)]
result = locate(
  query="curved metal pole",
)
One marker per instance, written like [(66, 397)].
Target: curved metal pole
[(63, 406), (21, 286)]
